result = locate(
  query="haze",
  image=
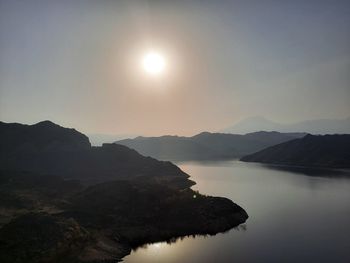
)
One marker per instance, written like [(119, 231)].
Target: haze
[(77, 63)]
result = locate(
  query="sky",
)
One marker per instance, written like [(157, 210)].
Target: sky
[(78, 63)]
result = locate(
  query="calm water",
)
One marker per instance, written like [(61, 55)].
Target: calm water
[(294, 216)]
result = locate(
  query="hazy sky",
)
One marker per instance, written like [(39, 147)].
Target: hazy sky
[(77, 63)]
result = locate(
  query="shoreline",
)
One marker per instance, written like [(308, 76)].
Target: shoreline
[(104, 222)]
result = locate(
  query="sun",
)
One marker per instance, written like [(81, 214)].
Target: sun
[(153, 63)]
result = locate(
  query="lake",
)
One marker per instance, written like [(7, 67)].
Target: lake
[(295, 215)]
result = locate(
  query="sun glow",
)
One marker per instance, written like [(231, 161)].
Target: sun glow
[(153, 63)]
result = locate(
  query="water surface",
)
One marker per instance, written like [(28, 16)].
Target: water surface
[(295, 215)]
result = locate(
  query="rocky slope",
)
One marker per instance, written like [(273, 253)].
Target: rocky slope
[(62, 221)]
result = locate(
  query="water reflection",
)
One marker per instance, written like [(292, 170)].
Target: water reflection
[(295, 215), (310, 171), (158, 245)]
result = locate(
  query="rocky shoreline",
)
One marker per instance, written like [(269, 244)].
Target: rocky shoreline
[(103, 222)]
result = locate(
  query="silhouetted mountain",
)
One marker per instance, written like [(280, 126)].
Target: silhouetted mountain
[(47, 216), (206, 146), (311, 150), (48, 148), (44, 136), (320, 126)]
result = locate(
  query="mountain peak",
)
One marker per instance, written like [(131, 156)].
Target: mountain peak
[(44, 136), (46, 123)]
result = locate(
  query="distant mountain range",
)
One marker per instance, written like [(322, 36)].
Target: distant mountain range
[(206, 146), (312, 150), (320, 126)]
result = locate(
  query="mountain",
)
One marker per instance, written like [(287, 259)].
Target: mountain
[(48, 148), (44, 136), (62, 200), (206, 146), (311, 150), (320, 126)]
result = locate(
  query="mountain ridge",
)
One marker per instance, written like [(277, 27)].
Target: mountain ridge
[(48, 148), (330, 151), (206, 145)]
